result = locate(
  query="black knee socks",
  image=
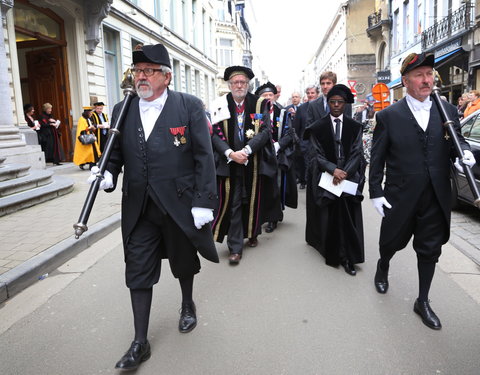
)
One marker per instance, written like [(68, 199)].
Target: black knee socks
[(187, 289), (141, 303), (425, 277)]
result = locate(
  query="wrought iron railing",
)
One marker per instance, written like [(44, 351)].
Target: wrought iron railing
[(454, 23), (374, 19)]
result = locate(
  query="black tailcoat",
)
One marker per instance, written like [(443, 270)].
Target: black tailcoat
[(177, 177), (334, 221), (413, 159)]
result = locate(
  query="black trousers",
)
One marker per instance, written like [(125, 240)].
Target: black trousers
[(427, 225), (155, 236)]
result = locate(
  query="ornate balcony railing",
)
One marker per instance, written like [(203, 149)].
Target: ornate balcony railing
[(454, 23), (374, 19)]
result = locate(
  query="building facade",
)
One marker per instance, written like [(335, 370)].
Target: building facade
[(72, 53), (346, 49)]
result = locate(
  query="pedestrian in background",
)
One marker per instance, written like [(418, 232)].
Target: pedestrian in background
[(334, 222), (29, 111), (299, 123), (473, 102), (84, 154), (165, 152), (411, 150), (50, 135), (100, 121)]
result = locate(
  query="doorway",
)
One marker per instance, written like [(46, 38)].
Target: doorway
[(41, 48)]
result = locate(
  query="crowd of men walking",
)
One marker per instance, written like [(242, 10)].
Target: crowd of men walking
[(188, 182)]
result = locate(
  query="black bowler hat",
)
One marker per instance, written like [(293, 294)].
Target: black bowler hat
[(266, 87), (154, 54), (414, 60), (234, 70), (98, 103), (342, 91)]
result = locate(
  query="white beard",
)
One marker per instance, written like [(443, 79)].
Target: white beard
[(144, 91)]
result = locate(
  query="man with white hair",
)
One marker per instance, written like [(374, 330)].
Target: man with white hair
[(169, 193), (246, 164)]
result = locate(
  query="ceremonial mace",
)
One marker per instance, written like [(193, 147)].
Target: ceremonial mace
[(129, 92), (448, 124)]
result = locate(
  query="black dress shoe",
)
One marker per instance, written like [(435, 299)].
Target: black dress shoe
[(234, 258), (137, 354), (188, 317), (270, 227), (349, 268), (381, 279), (429, 318)]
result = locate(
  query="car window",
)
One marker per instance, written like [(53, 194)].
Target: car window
[(475, 131), (467, 126)]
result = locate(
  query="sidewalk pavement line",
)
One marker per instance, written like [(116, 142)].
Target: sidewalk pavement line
[(27, 273), (464, 247)]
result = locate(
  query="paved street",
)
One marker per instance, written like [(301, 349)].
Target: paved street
[(281, 311)]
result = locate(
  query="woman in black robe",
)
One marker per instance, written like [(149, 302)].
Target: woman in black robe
[(29, 111), (50, 135), (334, 223)]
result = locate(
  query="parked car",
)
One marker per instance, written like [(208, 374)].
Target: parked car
[(460, 189)]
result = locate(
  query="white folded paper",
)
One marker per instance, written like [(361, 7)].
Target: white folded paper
[(326, 182)]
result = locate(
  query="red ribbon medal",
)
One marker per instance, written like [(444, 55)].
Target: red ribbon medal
[(175, 132)]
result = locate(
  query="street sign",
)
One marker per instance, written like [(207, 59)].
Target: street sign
[(380, 92), (352, 84), (378, 106)]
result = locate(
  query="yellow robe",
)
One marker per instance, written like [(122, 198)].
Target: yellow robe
[(84, 153)]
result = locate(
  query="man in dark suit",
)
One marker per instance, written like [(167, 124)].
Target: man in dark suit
[(168, 189), (100, 120), (334, 221), (410, 141), (299, 123), (319, 108), (246, 164)]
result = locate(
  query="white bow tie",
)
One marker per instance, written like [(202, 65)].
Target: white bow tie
[(145, 106), (425, 105)]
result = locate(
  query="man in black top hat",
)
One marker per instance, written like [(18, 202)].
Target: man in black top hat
[(411, 150), (246, 164), (334, 219), (168, 188), (100, 120), (283, 137)]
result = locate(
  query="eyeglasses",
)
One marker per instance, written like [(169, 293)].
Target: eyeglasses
[(239, 83), (335, 102), (147, 71)]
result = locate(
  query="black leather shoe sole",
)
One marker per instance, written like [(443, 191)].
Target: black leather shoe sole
[(381, 280)]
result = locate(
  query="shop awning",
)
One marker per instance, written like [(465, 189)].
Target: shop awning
[(443, 57), (395, 83)]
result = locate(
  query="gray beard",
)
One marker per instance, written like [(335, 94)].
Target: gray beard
[(145, 93)]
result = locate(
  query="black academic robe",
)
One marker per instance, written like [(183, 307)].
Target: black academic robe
[(334, 224), (50, 139), (102, 134), (259, 175), (284, 133), (410, 159), (177, 175)]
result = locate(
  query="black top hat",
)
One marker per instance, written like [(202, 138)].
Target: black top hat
[(266, 87), (233, 70), (98, 103), (154, 54), (342, 91), (414, 60)]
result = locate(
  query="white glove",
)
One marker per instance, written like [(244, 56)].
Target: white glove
[(202, 216), (106, 125), (57, 123), (468, 159), (106, 183), (378, 203), (277, 147)]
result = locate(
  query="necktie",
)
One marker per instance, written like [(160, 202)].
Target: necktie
[(240, 110), (338, 143)]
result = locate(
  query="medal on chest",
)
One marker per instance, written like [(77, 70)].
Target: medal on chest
[(178, 135)]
